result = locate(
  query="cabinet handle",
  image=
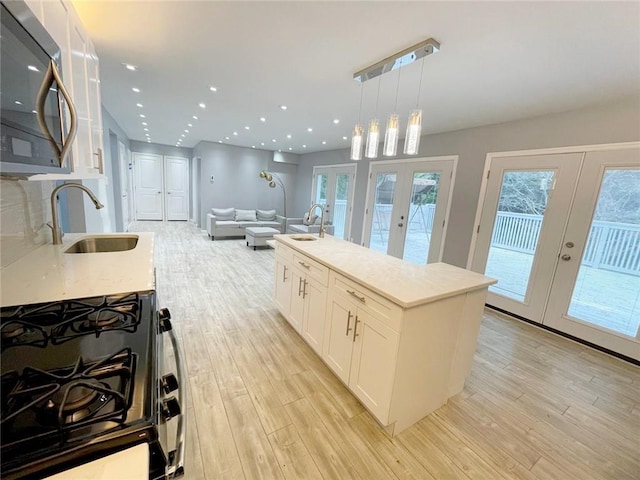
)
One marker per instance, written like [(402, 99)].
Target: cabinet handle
[(300, 286), (352, 293), (284, 274), (355, 329), (304, 264), (348, 323), (304, 288)]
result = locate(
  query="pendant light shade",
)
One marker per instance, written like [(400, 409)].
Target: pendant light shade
[(390, 147), (414, 130), (356, 143), (373, 138)]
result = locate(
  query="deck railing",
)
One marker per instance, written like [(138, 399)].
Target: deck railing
[(611, 245)]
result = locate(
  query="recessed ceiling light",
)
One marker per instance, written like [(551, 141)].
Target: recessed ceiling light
[(189, 125), (262, 119), (182, 135), (148, 140), (219, 141), (290, 148), (309, 129), (273, 140), (283, 107), (33, 68), (144, 123), (304, 146), (344, 138), (133, 68), (235, 133), (253, 146), (336, 121), (142, 115), (324, 142), (288, 135), (247, 128), (213, 89), (186, 130), (202, 105), (195, 117), (136, 89), (139, 105), (226, 138), (18, 102), (146, 129), (262, 143), (33, 111)]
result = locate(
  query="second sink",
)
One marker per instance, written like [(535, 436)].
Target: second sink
[(120, 243)]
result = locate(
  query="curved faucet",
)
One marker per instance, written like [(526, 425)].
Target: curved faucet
[(315, 205), (56, 230)]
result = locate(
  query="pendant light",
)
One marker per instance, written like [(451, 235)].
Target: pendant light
[(414, 125), (373, 134), (356, 138), (390, 147)]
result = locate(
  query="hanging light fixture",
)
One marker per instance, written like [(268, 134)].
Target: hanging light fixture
[(414, 125), (373, 134), (356, 138), (393, 126)]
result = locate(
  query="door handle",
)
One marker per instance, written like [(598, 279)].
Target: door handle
[(566, 257), (284, 274), (401, 224)]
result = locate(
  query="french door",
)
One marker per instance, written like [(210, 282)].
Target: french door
[(561, 233), (333, 187), (407, 204)]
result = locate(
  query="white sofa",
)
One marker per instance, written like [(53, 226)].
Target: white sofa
[(298, 225), (231, 222)]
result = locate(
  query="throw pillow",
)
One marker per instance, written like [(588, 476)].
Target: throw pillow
[(245, 215), (223, 213), (309, 220), (266, 215)]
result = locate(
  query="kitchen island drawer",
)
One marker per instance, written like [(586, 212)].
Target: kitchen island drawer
[(313, 269)]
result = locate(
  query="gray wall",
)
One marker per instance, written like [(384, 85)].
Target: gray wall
[(616, 122), (237, 183), (112, 134), (158, 149)]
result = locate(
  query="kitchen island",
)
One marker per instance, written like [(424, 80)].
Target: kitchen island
[(400, 336)]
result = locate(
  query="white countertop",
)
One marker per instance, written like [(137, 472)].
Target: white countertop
[(403, 283), (49, 274)]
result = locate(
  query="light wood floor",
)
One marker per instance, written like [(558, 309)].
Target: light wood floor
[(262, 405)]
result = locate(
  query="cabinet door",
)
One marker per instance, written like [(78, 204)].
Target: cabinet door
[(315, 309), (282, 287), (373, 364), (338, 342), (296, 313)]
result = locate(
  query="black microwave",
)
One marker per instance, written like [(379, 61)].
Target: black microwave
[(33, 134)]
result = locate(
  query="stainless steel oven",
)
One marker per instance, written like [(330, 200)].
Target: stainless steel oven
[(84, 379), (34, 137)]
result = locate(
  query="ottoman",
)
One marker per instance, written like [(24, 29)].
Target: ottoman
[(258, 236)]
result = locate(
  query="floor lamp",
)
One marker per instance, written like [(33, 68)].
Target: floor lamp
[(274, 180)]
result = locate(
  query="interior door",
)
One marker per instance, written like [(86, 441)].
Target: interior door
[(595, 294), (177, 188), (407, 208), (333, 187), (149, 204), (124, 184)]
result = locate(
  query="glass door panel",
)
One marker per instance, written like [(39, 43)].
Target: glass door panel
[(516, 230), (422, 209), (607, 290), (385, 189), (320, 189), (340, 215)]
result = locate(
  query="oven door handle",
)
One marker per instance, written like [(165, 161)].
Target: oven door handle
[(176, 467)]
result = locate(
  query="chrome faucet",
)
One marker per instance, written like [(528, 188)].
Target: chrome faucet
[(315, 205), (56, 230)]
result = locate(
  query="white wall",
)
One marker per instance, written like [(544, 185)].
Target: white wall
[(611, 123)]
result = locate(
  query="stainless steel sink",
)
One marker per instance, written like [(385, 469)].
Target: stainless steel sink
[(120, 243), (303, 238)]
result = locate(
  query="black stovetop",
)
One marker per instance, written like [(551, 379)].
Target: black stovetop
[(75, 372)]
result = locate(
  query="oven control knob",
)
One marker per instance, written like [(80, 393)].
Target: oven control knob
[(170, 408), (169, 383), (164, 317)]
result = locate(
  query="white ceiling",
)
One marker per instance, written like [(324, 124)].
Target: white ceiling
[(499, 61)]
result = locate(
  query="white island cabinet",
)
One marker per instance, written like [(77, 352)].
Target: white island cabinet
[(400, 336)]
